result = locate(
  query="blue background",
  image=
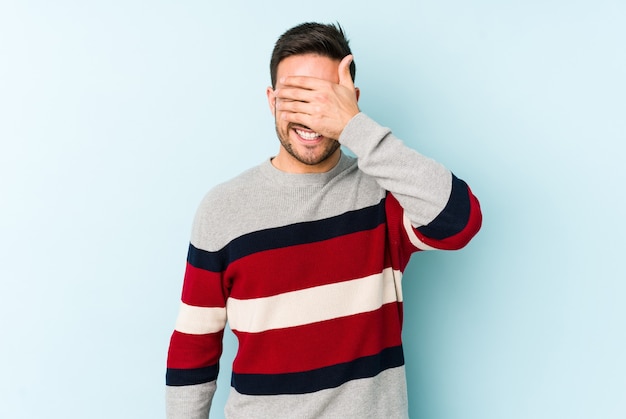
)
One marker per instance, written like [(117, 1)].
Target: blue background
[(116, 117)]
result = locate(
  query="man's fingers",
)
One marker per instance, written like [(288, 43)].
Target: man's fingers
[(302, 82), (312, 83), (297, 118), (288, 93), (293, 106)]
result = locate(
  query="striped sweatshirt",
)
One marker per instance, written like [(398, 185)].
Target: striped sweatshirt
[(307, 270)]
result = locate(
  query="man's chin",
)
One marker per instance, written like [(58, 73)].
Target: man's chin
[(314, 159)]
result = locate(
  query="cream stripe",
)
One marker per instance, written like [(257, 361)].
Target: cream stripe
[(413, 237), (397, 283), (200, 320), (315, 304)]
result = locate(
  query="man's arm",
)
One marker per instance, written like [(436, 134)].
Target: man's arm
[(189, 402), (440, 210), (196, 343)]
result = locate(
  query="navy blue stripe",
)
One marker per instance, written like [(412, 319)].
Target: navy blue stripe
[(290, 235), (319, 379), (455, 215), (181, 377)]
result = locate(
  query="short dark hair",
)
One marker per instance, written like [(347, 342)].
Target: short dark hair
[(327, 40)]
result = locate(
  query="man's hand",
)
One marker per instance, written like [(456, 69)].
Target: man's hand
[(322, 106)]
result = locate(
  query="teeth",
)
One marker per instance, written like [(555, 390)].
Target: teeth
[(308, 135)]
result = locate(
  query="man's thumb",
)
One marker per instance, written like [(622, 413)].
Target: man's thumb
[(344, 71)]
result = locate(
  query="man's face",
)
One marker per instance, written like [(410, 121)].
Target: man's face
[(302, 150)]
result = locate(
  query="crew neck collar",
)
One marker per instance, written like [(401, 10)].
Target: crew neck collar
[(304, 179)]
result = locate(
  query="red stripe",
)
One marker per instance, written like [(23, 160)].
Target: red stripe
[(308, 265), (317, 345), (202, 288), (463, 237), (194, 351), (400, 245)]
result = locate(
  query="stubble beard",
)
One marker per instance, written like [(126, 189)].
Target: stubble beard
[(314, 157)]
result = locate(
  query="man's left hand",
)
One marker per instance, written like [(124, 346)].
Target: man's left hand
[(322, 106)]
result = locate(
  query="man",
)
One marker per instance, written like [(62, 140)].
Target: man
[(304, 254)]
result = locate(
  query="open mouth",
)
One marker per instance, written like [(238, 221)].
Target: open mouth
[(306, 134)]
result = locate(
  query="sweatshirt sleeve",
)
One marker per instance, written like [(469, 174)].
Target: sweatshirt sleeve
[(439, 209), (196, 343)]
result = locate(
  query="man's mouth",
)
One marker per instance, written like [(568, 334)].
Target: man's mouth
[(307, 134)]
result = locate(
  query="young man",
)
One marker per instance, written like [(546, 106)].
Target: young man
[(304, 254)]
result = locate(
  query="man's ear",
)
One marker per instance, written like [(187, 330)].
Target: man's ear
[(271, 100)]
